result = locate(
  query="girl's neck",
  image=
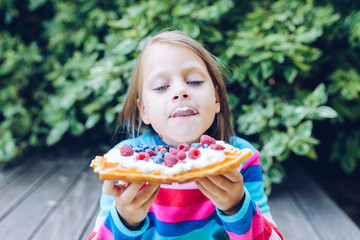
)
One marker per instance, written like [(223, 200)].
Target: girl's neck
[(175, 144)]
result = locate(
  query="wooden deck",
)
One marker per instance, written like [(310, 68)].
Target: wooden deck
[(47, 198)]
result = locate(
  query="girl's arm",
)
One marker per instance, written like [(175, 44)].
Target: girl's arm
[(124, 218), (250, 222)]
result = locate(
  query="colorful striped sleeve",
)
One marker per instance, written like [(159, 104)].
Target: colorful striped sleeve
[(250, 222)]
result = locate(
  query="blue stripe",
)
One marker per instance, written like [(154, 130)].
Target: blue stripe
[(181, 228), (109, 223), (243, 225), (210, 231), (252, 173)]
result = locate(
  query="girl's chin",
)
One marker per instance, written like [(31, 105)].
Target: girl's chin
[(178, 138)]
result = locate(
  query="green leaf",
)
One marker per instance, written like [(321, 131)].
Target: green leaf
[(276, 145), (57, 132), (260, 56), (290, 74), (304, 130), (300, 148), (267, 69), (192, 29), (92, 120), (125, 47), (35, 4), (212, 34), (326, 112), (183, 9)]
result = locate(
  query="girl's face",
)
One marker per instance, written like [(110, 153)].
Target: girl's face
[(179, 99)]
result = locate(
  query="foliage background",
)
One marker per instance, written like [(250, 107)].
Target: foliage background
[(292, 66)]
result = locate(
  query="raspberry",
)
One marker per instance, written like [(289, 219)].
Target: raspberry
[(173, 151), (194, 153), (217, 147), (126, 150), (143, 156), (205, 139), (181, 155), (184, 147), (150, 152), (170, 160), (163, 151)]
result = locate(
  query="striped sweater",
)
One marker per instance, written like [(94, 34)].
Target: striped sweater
[(181, 211)]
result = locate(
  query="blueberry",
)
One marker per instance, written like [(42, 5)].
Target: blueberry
[(157, 159), (205, 145), (169, 146), (195, 145), (138, 149), (145, 146)]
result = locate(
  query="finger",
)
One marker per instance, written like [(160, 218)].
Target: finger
[(150, 201), (147, 193), (220, 182), (130, 193), (208, 188), (233, 175), (108, 187), (112, 188)]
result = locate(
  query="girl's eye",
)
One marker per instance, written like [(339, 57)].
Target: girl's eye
[(195, 83), (161, 88)]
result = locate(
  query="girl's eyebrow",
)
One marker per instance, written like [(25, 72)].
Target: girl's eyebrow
[(186, 68)]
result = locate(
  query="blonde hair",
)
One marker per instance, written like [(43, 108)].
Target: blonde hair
[(130, 119)]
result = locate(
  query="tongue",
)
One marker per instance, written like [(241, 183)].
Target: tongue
[(183, 112)]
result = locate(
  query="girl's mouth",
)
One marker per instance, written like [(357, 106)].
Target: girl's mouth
[(183, 112)]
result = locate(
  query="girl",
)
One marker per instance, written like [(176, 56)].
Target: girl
[(177, 94)]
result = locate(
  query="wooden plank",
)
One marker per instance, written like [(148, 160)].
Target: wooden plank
[(24, 184), (91, 224), (8, 175), (328, 220), (291, 221), (31, 213), (73, 215)]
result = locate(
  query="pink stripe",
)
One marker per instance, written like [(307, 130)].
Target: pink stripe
[(104, 233), (252, 161), (197, 211), (255, 230), (98, 222), (269, 218), (189, 185)]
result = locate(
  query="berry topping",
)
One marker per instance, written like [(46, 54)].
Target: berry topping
[(184, 147), (170, 160), (126, 150), (194, 153), (159, 147), (138, 149), (143, 156), (163, 150), (205, 139), (150, 152), (158, 159), (195, 145), (181, 155), (173, 151), (217, 147)]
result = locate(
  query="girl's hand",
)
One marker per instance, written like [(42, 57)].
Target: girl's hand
[(133, 201), (226, 191)]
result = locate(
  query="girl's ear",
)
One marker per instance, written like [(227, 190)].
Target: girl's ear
[(217, 100), (143, 113)]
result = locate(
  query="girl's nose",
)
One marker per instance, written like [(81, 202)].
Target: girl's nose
[(181, 95)]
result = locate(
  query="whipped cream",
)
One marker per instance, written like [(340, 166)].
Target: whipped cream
[(208, 156)]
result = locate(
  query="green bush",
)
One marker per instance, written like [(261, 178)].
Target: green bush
[(291, 66)]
